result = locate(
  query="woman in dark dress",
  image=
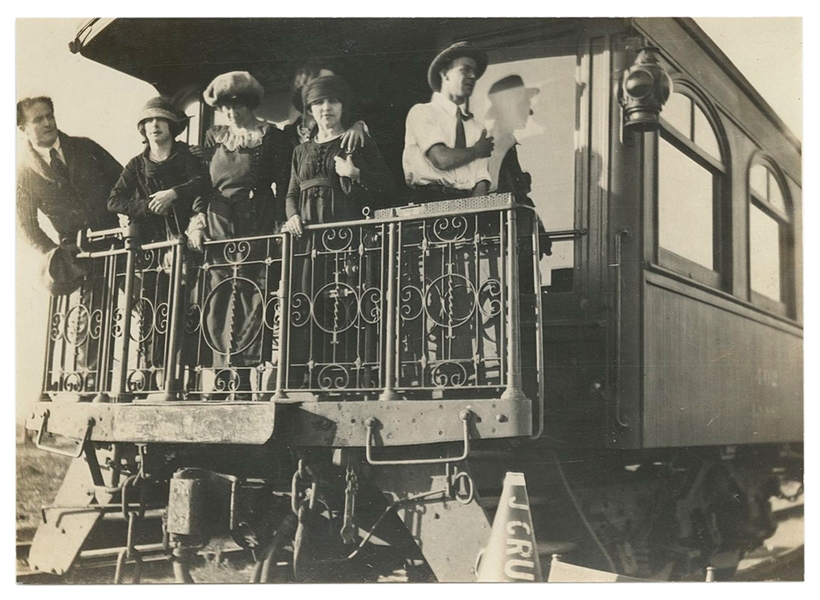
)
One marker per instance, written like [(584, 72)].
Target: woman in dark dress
[(335, 273), (249, 164), (163, 191), (327, 183)]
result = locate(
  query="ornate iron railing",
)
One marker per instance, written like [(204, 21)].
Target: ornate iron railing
[(416, 302)]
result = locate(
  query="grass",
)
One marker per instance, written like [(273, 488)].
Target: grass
[(39, 475)]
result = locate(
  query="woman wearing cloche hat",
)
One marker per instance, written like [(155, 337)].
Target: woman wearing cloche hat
[(164, 188)]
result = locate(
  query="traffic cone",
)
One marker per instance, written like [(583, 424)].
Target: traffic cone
[(511, 554)]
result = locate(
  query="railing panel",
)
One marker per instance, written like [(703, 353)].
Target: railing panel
[(231, 322), (451, 325), (411, 303), (335, 306), (148, 327), (76, 360)]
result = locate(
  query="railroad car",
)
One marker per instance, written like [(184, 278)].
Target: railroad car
[(631, 342)]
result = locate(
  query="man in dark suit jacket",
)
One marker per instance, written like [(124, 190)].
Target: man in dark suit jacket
[(67, 178)]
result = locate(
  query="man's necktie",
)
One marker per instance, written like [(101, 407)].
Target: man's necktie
[(461, 138), (58, 165)]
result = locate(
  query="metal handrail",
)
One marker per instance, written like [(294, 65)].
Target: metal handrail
[(76, 453), (464, 415)]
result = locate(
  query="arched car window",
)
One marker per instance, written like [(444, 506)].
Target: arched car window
[(691, 189), (770, 239)]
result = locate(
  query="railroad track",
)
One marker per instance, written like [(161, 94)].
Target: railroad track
[(781, 558)]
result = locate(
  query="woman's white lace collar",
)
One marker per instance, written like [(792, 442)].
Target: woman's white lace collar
[(247, 138)]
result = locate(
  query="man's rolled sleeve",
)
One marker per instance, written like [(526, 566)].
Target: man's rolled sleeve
[(424, 127), (483, 170)]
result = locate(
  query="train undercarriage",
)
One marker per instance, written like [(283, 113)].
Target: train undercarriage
[(328, 515)]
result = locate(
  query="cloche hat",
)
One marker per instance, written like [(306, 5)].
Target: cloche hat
[(330, 86), (447, 55), (233, 85), (162, 107)]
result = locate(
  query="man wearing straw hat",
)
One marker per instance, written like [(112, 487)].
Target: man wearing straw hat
[(446, 150)]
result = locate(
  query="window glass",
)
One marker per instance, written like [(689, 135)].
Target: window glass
[(775, 195), (705, 135), (758, 176), (764, 253), (678, 112), (529, 107), (685, 206)]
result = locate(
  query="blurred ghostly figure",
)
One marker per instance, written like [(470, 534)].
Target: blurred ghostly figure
[(510, 109)]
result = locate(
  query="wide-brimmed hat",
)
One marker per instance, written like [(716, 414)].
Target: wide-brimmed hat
[(236, 84), (162, 107), (448, 55), (511, 82), (61, 274), (331, 86)]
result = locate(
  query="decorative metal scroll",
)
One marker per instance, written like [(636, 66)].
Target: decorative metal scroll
[(80, 332), (335, 308), (232, 319), (451, 325), (150, 317)]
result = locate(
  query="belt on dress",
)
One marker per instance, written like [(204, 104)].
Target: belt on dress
[(315, 182)]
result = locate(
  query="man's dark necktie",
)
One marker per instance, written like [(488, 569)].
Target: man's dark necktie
[(461, 138), (58, 165)]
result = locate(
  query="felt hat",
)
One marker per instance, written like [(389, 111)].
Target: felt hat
[(236, 84), (331, 86), (62, 275), (510, 82), (162, 107), (448, 55)]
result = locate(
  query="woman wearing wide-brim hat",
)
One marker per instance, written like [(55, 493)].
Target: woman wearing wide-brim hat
[(163, 189)]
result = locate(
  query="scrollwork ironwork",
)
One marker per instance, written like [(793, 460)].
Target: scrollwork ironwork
[(337, 239), (236, 252), (370, 305), (333, 377), (449, 229), (77, 324), (448, 374)]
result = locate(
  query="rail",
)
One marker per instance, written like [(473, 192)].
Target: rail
[(407, 303)]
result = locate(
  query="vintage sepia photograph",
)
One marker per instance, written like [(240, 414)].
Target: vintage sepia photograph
[(430, 299)]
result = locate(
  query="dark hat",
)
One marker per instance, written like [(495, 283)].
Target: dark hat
[(448, 55), (510, 82), (162, 107), (236, 84), (62, 274), (331, 86)]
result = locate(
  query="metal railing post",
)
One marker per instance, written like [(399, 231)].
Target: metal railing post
[(514, 389), (176, 307), (284, 318), (104, 360), (390, 346), (121, 393)]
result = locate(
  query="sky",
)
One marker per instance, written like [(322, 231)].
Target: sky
[(97, 102)]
